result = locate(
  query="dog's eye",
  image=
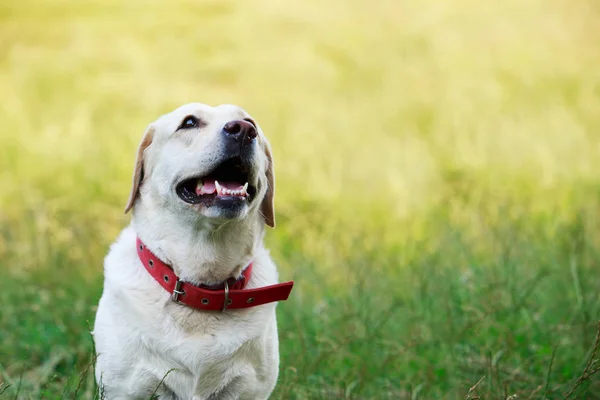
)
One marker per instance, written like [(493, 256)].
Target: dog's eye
[(189, 122)]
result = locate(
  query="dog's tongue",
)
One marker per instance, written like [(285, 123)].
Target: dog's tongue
[(208, 186)]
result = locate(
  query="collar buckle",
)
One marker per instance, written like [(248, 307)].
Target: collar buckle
[(226, 300), (177, 291)]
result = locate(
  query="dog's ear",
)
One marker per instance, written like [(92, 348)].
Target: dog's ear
[(138, 171), (267, 207)]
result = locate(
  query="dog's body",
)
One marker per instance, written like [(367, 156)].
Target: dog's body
[(142, 337)]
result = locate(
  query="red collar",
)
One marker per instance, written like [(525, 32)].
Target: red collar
[(229, 294)]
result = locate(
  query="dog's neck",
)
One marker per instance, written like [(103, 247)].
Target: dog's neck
[(200, 252)]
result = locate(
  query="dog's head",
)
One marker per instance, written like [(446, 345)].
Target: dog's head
[(210, 162)]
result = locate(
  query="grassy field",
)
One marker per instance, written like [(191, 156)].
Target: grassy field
[(438, 168)]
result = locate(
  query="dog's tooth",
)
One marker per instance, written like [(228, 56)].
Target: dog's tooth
[(219, 190), (243, 191)]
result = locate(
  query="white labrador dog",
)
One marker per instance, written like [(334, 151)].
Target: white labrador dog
[(188, 308)]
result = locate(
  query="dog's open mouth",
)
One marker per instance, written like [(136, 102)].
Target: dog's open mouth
[(229, 181)]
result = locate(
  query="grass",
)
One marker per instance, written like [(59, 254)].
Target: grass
[(438, 189)]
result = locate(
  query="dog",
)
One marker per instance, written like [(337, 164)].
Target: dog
[(188, 305)]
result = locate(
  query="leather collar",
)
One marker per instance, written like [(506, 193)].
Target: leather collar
[(227, 295)]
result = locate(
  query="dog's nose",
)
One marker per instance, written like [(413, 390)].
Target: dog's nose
[(240, 129)]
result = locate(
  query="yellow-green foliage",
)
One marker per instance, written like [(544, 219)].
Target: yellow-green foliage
[(370, 102), (391, 122)]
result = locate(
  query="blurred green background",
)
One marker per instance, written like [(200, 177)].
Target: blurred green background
[(438, 182)]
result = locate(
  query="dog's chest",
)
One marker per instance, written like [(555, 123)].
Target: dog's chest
[(207, 353)]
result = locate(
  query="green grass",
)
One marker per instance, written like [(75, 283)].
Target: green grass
[(438, 188)]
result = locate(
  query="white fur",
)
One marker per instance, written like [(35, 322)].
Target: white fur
[(140, 334)]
